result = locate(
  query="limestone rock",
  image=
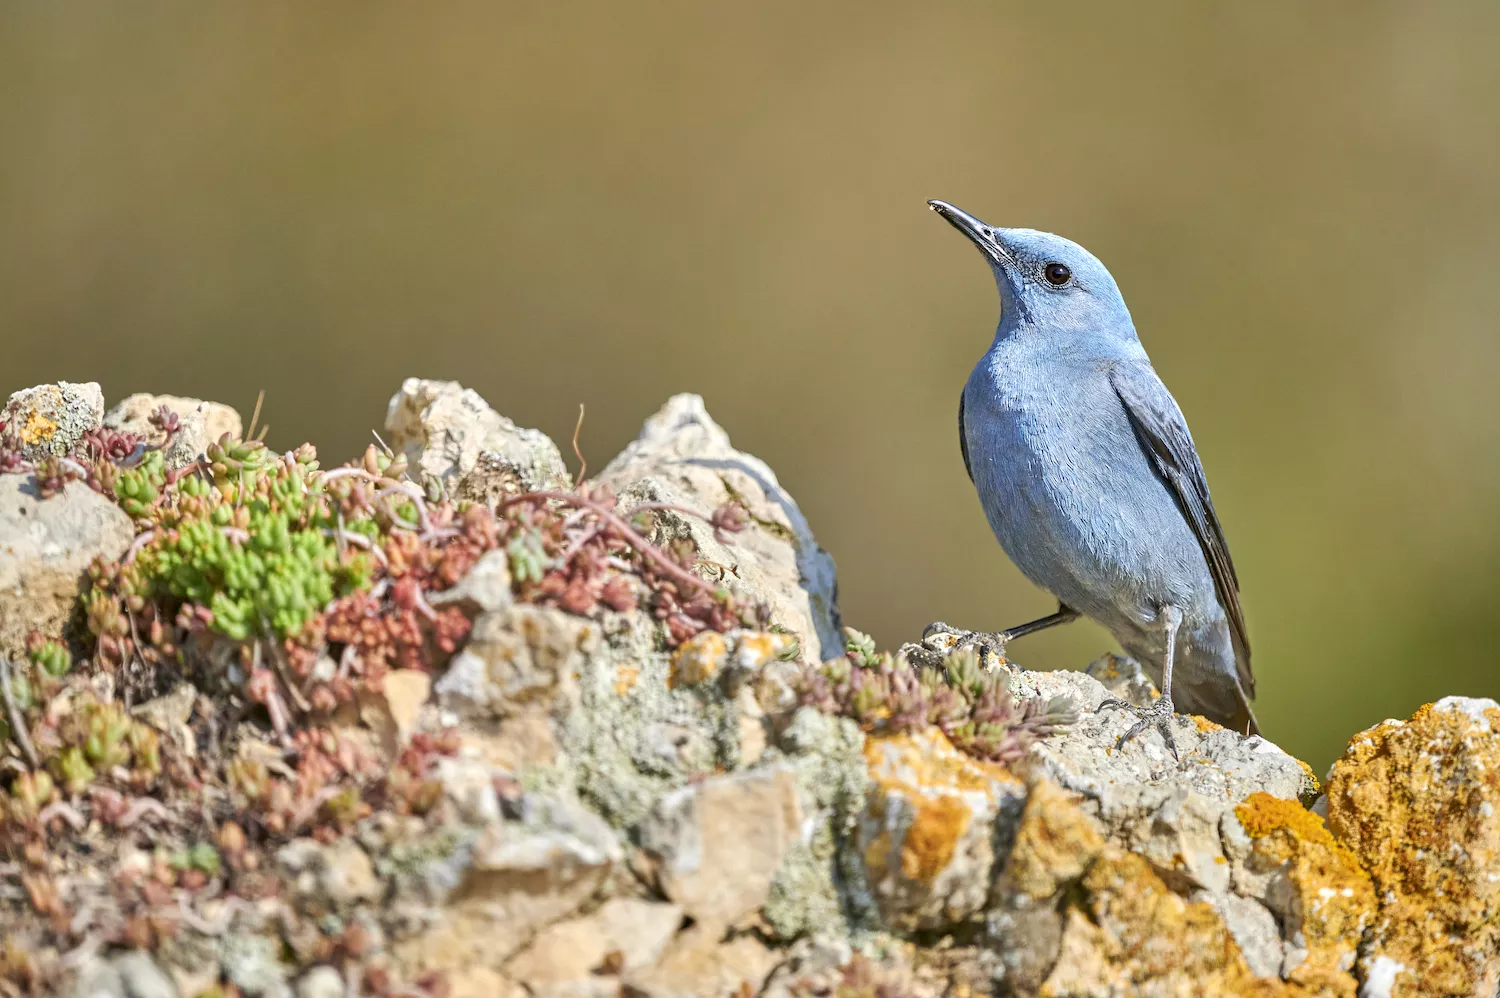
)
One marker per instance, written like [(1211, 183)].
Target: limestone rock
[(514, 878), (321, 982), (45, 547), (1116, 927), (1418, 804), (719, 843), (253, 964), (518, 657), (928, 832), (448, 431), (48, 420), (330, 877), (698, 965), (1319, 894), (684, 458), (142, 978), (97, 979), (393, 713), (203, 423), (485, 589), (622, 935)]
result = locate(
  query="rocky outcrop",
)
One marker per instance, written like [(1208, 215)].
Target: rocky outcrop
[(50, 420), (200, 424), (45, 547), (614, 741)]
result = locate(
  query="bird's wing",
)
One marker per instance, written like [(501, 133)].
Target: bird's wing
[(963, 438), (1163, 435)]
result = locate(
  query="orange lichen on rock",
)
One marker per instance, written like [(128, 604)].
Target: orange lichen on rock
[(1419, 803), (1314, 785), (932, 837), (698, 659), (1124, 931), (37, 428), (926, 834), (626, 676), (1330, 902), (1055, 842)]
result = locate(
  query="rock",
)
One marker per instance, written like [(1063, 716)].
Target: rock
[(719, 843), (623, 935), (170, 713), (142, 977), (449, 432), (732, 658), (393, 712), (518, 657), (48, 420), (820, 890), (511, 880), (253, 964), (321, 982), (336, 876), (98, 979), (684, 458), (1123, 677), (698, 965), (45, 547), (1255, 931), (485, 589), (1418, 804), (1115, 926), (1317, 891), (202, 423), (928, 833)]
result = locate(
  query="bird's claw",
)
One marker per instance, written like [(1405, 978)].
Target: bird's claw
[(1159, 715)]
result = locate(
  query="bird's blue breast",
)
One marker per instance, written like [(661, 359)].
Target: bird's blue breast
[(1070, 494)]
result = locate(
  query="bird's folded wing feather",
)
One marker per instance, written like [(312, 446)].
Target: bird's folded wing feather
[(963, 436), (1163, 434)]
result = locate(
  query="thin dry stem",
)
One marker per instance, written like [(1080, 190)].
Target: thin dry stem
[(17, 720)]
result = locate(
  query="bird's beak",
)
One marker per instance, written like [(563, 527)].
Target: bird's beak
[(986, 237)]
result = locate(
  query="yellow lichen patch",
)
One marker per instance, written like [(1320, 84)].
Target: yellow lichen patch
[(1314, 785), (754, 649), (626, 676), (933, 836), (1204, 724), (37, 428), (1055, 842), (698, 659), (1332, 899), (1127, 933), (1262, 814), (926, 833), (1419, 804), (926, 762)]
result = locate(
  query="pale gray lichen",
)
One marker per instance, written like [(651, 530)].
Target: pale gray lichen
[(820, 889), (633, 738)]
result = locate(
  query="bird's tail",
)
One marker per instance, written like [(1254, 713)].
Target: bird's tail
[(1244, 720)]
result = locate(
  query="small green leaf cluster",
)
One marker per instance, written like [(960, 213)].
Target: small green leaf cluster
[(255, 545)]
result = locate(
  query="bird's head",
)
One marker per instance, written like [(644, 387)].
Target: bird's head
[(1046, 282)]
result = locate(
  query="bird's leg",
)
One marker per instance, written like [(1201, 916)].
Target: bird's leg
[(997, 640), (1160, 713)]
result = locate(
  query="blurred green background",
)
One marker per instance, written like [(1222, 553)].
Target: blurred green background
[(607, 203)]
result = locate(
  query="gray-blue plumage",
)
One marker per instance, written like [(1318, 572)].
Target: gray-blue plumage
[(1089, 477)]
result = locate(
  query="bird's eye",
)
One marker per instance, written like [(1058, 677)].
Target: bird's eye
[(1057, 274)]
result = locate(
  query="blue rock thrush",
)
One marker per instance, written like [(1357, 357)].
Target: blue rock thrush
[(1091, 483)]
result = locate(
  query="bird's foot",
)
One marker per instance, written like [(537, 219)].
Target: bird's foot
[(941, 639), (1159, 715)]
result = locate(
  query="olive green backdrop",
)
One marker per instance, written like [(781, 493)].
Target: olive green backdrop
[(609, 202)]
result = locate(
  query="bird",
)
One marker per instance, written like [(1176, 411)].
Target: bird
[(1091, 482)]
